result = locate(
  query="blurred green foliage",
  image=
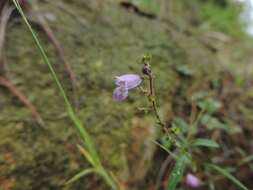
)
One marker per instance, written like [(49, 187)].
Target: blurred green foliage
[(224, 18)]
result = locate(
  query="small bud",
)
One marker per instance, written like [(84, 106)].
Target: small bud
[(146, 70), (192, 181), (146, 58)]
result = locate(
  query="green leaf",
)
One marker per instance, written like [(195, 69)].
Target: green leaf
[(81, 174), (205, 142), (213, 123), (180, 123), (166, 141), (177, 172), (227, 175), (210, 105), (166, 149)]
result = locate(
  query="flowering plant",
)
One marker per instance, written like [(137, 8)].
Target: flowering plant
[(124, 83), (179, 135)]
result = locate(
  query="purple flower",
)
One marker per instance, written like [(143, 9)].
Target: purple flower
[(125, 83), (192, 181)]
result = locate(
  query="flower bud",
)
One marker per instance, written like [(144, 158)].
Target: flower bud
[(192, 181), (146, 70)]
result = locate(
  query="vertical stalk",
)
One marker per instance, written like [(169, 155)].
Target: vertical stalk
[(87, 142), (153, 102)]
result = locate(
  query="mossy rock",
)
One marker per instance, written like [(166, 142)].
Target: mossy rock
[(100, 40)]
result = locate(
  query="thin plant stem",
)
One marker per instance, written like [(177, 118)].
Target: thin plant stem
[(87, 142), (53, 74), (153, 102)]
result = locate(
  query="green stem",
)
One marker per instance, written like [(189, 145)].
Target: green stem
[(87, 142), (69, 108), (153, 102)]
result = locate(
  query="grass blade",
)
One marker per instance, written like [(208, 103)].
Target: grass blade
[(227, 175), (86, 154), (84, 135), (165, 149), (81, 174), (87, 142), (177, 172), (205, 142)]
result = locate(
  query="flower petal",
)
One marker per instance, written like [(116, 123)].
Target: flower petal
[(130, 80), (192, 180), (120, 93)]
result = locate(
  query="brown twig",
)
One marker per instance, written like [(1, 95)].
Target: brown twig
[(14, 90), (5, 15)]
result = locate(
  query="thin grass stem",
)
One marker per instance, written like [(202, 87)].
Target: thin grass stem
[(87, 142)]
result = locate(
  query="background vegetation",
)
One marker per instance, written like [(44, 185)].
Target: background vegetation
[(201, 59)]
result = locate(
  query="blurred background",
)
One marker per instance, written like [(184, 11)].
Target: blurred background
[(202, 52)]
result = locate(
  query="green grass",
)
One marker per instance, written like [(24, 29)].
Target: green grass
[(177, 172), (226, 174)]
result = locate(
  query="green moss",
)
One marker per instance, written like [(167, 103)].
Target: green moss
[(110, 42)]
